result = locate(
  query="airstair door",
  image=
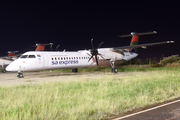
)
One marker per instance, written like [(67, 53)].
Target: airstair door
[(45, 60)]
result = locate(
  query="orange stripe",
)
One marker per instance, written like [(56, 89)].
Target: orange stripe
[(40, 48), (135, 38)]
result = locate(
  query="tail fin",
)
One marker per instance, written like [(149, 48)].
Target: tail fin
[(12, 53), (41, 47), (135, 38)]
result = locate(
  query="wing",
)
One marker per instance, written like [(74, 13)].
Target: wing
[(141, 45), (10, 57)]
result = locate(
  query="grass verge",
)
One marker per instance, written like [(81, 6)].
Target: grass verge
[(89, 99)]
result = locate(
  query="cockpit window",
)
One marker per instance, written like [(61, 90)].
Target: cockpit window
[(31, 56), (28, 56), (24, 56)]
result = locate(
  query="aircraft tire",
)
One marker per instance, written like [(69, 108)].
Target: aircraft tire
[(3, 71), (20, 75), (75, 70), (114, 70)]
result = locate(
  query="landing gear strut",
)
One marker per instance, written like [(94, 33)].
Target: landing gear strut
[(115, 70), (75, 70), (3, 70), (20, 75)]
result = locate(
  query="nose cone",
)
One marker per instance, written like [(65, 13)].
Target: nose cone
[(12, 67), (8, 68)]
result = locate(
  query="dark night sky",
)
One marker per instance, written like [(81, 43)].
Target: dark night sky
[(73, 24)]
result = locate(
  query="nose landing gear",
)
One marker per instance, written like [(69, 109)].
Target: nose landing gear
[(3, 70), (20, 75)]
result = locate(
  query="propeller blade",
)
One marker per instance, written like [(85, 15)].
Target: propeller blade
[(100, 45), (51, 47), (57, 47), (96, 59), (92, 43), (90, 58)]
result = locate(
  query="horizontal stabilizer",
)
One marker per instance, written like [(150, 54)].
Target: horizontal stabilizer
[(40, 44), (137, 34)]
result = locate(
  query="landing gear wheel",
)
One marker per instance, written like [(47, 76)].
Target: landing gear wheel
[(20, 75), (3, 71), (115, 70), (75, 70)]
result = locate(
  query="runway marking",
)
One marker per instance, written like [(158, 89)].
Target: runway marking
[(146, 110)]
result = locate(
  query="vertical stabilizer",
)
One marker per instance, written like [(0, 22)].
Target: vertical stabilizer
[(135, 38), (41, 47), (12, 53)]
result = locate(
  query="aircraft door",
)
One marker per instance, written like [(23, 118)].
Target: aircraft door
[(45, 60)]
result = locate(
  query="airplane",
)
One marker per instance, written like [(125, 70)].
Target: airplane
[(44, 60), (6, 60)]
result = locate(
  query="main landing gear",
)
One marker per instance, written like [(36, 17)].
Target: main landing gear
[(115, 70), (74, 70), (20, 75)]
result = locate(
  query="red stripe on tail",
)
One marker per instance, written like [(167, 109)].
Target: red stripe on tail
[(11, 54), (40, 48), (135, 38)]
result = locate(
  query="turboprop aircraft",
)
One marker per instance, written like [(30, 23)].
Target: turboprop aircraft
[(36, 60), (6, 60)]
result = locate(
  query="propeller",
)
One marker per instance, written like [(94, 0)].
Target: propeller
[(94, 52), (51, 47), (57, 47)]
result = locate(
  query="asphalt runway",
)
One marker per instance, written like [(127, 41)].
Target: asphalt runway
[(168, 111)]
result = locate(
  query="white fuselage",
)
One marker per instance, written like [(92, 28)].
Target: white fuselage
[(36, 60)]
